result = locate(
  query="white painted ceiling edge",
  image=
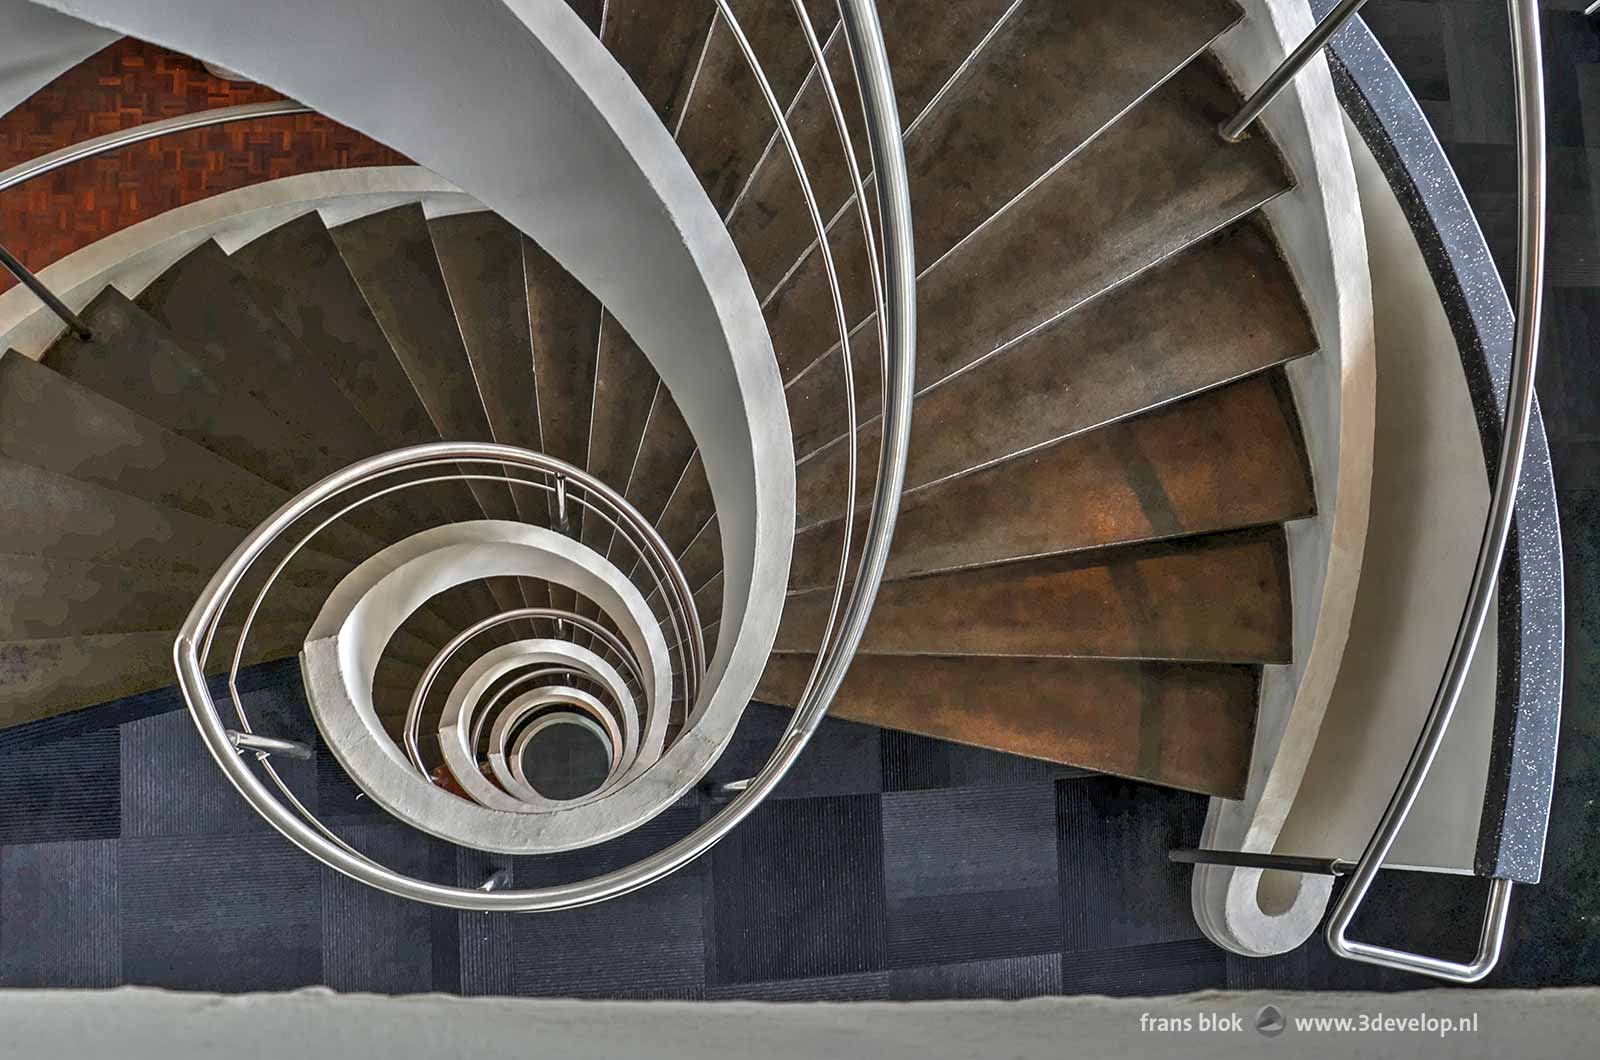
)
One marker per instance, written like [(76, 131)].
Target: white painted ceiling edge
[(1319, 229), (37, 45), (517, 103)]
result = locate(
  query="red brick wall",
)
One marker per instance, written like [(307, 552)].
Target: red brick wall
[(130, 83)]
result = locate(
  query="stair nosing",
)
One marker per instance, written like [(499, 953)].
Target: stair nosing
[(1202, 660), (1104, 546), (1038, 447), (776, 137), (1032, 185), (1121, 281)]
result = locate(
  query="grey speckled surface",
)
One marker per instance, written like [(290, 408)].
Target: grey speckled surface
[(1522, 767)]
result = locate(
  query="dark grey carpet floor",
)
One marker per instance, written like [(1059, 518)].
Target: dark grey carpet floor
[(891, 866)]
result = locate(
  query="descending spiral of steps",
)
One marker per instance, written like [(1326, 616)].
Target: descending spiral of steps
[(1090, 563)]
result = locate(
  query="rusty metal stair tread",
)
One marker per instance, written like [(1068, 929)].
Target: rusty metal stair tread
[(1216, 598), (44, 598), (624, 388), (49, 421), (300, 275), (213, 309), (392, 259), (1212, 315), (1046, 80), (659, 45), (1062, 246), (43, 678), (726, 127), (1155, 183), (56, 516), (136, 362), (1228, 458), (481, 260), (928, 42), (1182, 725), (565, 322)]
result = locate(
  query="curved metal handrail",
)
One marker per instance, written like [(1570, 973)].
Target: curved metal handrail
[(115, 141), (441, 658), (1527, 60), (1529, 87)]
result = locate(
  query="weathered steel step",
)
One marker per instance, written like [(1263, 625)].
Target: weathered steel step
[(52, 515), (659, 45), (299, 274), (391, 256), (1183, 725), (47, 598), (1228, 458), (51, 422), (1157, 181), (1218, 598), (1047, 79), (138, 363), (212, 308), (624, 389), (43, 678), (927, 41), (480, 258), (1211, 315), (726, 125)]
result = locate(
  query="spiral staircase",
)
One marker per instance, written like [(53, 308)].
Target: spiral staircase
[(1090, 564), (469, 492)]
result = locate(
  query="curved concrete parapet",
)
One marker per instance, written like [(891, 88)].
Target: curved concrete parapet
[(348, 638), (506, 758), (456, 726), (1319, 228)]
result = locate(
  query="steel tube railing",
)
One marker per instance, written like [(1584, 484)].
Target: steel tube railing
[(1527, 61), (1233, 129), (24, 276), (100, 145), (115, 141)]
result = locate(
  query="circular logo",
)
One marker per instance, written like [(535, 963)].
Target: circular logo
[(1269, 1021)]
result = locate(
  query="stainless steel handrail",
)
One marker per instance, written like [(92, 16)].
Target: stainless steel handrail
[(115, 141), (596, 498), (1527, 62), (1528, 72)]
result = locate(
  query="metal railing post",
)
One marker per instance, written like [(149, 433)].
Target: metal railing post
[(1233, 129), (47, 296)]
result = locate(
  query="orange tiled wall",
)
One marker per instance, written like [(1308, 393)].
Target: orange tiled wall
[(129, 83)]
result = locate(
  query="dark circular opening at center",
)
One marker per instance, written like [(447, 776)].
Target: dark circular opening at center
[(565, 761)]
